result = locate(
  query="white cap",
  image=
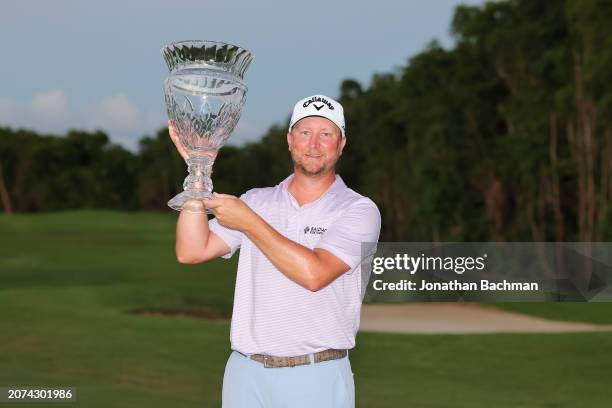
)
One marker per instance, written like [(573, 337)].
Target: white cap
[(318, 105)]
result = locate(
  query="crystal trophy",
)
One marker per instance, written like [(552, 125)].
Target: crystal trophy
[(204, 94)]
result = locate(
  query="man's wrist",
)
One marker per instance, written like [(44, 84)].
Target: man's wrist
[(194, 206), (252, 224)]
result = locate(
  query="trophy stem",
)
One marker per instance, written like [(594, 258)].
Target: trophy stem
[(197, 185)]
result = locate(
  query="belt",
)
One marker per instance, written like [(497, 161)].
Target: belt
[(274, 361)]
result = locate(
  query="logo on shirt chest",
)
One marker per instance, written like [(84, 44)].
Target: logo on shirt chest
[(314, 230)]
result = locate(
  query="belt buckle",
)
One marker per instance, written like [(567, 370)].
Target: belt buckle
[(266, 362)]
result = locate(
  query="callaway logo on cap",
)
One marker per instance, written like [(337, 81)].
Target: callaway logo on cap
[(318, 105)]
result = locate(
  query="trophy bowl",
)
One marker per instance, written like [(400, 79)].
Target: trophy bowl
[(204, 95)]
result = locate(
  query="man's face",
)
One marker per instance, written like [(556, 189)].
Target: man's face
[(315, 144)]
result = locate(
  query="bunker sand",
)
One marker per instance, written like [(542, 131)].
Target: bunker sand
[(458, 318)]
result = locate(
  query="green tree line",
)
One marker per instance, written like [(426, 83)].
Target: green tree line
[(505, 136)]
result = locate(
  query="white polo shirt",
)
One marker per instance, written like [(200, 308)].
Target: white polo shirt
[(274, 315)]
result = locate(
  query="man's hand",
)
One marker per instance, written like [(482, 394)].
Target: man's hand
[(177, 142), (174, 136), (231, 212)]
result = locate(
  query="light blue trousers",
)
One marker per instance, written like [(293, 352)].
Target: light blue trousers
[(248, 384)]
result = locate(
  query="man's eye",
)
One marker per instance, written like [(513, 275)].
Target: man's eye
[(325, 134), (305, 133)]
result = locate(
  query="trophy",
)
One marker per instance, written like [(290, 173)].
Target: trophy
[(204, 95)]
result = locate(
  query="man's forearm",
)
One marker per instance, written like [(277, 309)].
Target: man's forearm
[(192, 232), (298, 263)]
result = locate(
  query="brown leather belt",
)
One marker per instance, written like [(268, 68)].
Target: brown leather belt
[(274, 361)]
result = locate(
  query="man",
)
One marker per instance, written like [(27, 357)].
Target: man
[(299, 287)]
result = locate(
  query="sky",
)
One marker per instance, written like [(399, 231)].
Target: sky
[(80, 64)]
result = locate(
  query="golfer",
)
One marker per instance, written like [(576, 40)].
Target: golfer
[(299, 285)]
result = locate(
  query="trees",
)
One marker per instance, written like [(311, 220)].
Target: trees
[(505, 136), (80, 170), (543, 54)]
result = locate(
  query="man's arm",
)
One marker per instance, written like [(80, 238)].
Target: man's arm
[(195, 243), (312, 269)]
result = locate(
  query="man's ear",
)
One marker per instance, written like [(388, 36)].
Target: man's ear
[(289, 140), (342, 144)]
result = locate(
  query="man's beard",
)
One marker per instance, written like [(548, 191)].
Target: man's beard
[(316, 172), (308, 172)]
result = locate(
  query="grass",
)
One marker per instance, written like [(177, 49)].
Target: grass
[(69, 280)]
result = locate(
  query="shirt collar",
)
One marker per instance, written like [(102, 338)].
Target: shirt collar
[(336, 187)]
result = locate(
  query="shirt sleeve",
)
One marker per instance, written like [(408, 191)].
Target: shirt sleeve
[(360, 223), (231, 237)]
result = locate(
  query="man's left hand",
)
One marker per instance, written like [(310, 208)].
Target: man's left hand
[(231, 211)]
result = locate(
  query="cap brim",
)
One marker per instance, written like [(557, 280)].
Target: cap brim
[(318, 116)]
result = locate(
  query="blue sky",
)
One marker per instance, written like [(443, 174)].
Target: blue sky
[(97, 64)]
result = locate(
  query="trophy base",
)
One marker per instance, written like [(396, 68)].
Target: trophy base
[(177, 202)]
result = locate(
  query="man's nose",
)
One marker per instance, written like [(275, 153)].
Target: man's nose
[(314, 140)]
